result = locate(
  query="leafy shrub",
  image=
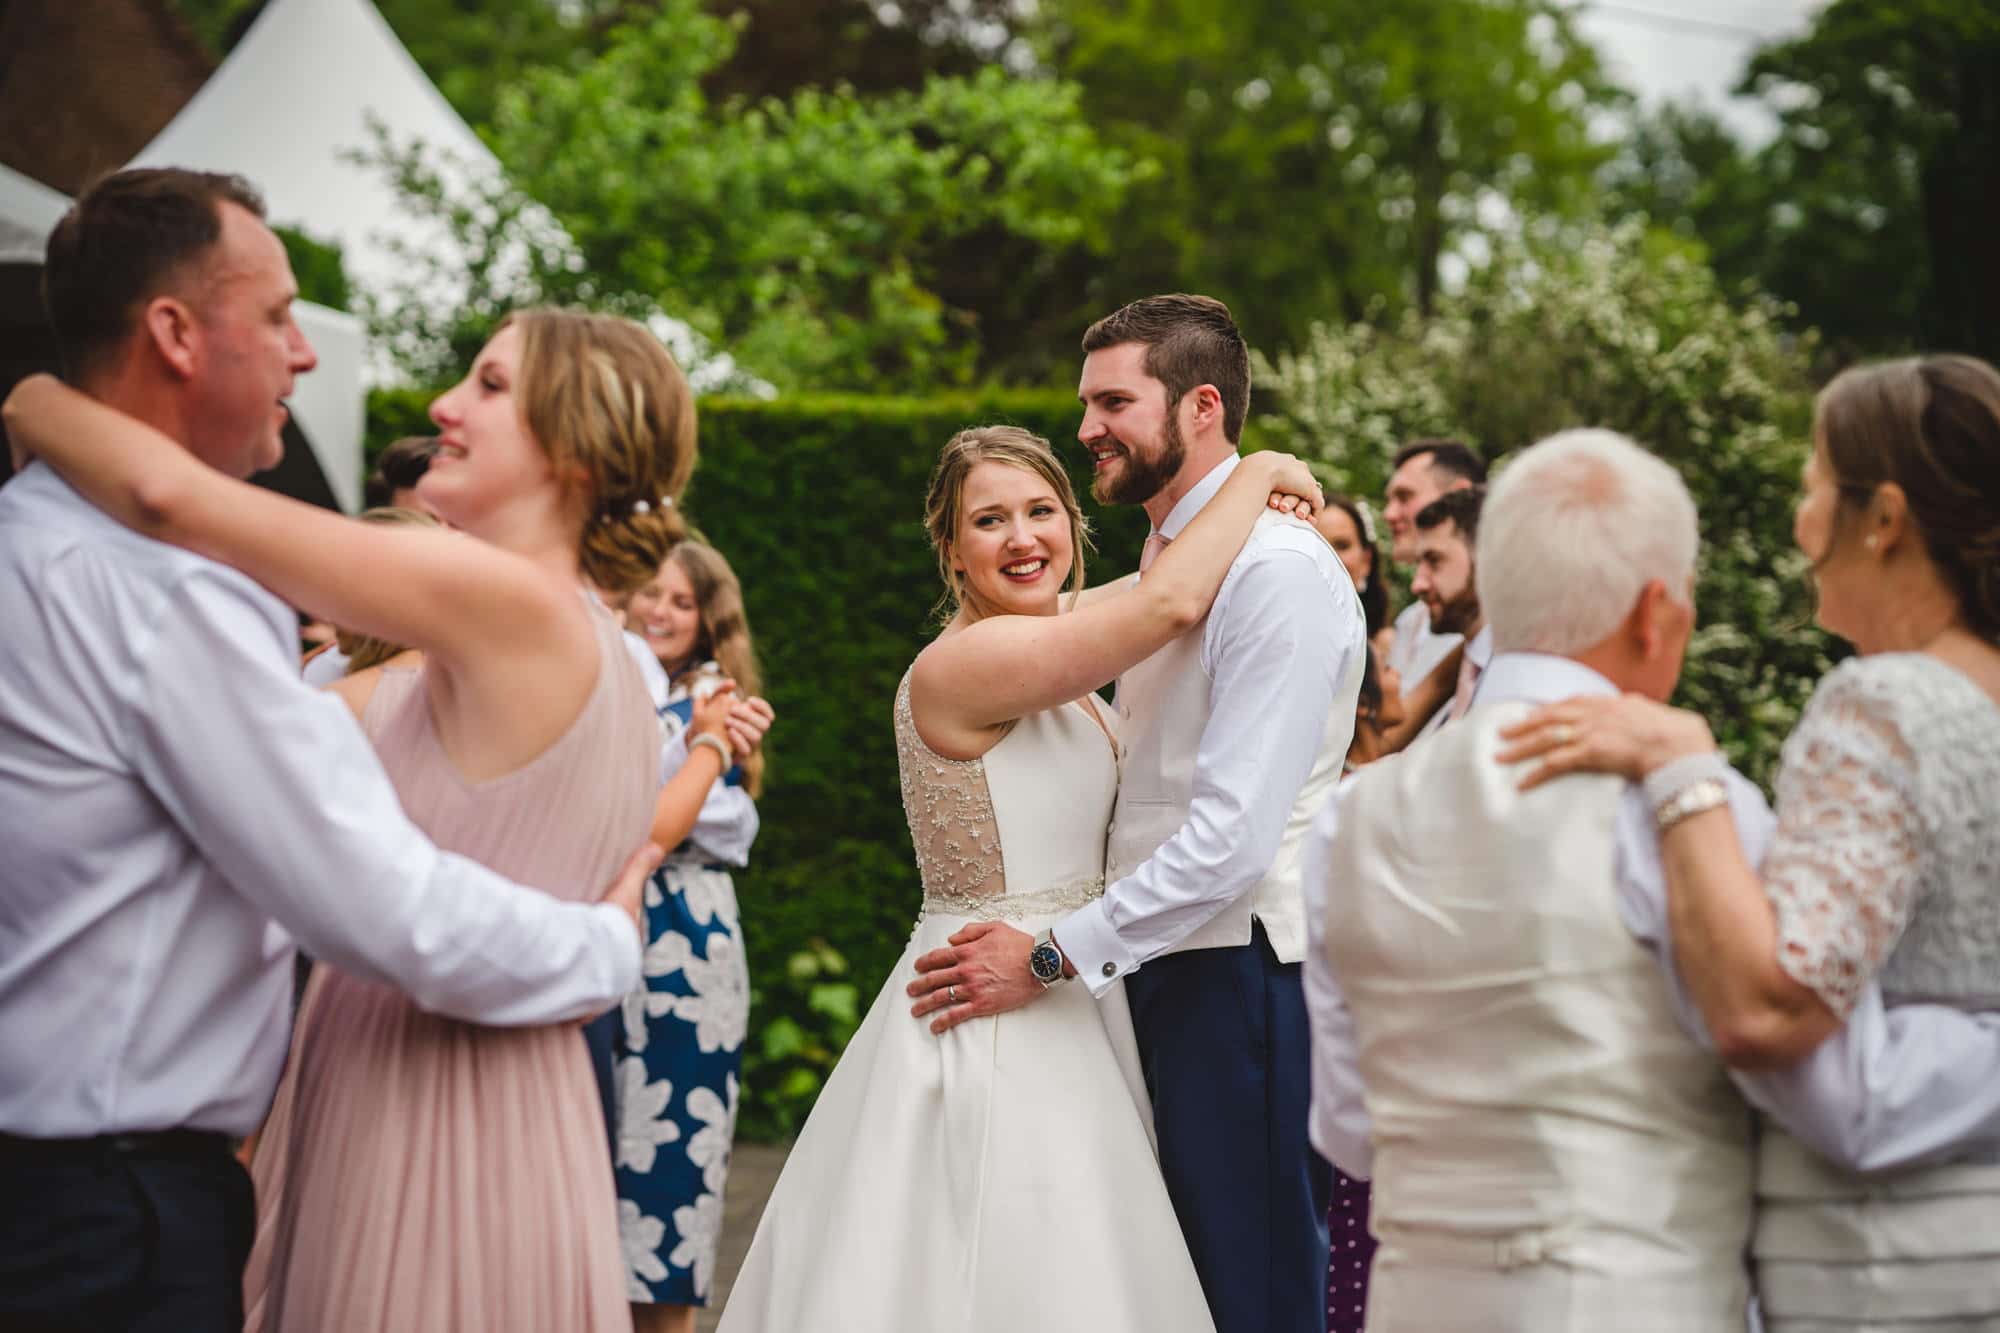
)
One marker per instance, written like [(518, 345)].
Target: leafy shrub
[(1622, 329)]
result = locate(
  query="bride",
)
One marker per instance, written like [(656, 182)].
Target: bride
[(1001, 1176)]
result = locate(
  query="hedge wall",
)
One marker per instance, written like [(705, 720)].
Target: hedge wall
[(818, 503)]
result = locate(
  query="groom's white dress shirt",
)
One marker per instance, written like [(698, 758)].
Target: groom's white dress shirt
[(176, 807), (1890, 1088), (1282, 637)]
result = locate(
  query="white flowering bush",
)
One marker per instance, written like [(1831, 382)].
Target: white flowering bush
[(1618, 328)]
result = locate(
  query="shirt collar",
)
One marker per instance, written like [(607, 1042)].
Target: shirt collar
[(1480, 649), (1538, 678), (1204, 490)]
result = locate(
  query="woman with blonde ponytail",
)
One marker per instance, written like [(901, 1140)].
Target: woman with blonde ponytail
[(418, 1172)]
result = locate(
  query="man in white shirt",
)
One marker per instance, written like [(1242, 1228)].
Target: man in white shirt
[(178, 809), (1500, 1038), (1231, 737), (1422, 471)]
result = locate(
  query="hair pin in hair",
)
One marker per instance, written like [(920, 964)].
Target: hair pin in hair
[(1367, 520), (644, 506)]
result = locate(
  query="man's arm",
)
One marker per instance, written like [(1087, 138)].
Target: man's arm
[(1338, 1124), (280, 792), (1278, 643), (1890, 1087)]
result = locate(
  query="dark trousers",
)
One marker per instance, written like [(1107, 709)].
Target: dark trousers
[(1223, 1041), (146, 1235)]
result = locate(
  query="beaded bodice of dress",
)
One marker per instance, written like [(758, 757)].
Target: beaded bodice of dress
[(1018, 831), (1889, 838)]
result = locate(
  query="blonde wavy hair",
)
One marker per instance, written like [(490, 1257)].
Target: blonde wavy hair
[(363, 651), (725, 632), (604, 398), (944, 504)]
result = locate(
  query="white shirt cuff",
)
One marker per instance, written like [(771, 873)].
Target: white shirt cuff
[(1090, 942)]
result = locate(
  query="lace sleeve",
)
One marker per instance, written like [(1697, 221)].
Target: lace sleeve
[(1844, 865)]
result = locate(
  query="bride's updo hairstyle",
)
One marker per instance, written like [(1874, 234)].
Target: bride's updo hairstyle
[(605, 399), (944, 505), (1930, 425)]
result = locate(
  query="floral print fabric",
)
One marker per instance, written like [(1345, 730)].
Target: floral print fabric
[(679, 1052)]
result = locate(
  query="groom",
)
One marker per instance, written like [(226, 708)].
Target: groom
[(1233, 738)]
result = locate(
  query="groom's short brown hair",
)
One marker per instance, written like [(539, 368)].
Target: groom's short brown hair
[(1189, 341)]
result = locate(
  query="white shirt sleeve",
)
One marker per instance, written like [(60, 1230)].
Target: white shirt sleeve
[(1277, 643), (282, 794), (727, 823), (1890, 1088), (1338, 1123)]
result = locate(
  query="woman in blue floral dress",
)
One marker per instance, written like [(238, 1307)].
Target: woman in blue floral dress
[(678, 1044)]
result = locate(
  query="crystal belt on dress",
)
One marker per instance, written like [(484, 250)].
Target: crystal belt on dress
[(1062, 896)]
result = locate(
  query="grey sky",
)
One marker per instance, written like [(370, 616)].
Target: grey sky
[(1692, 50)]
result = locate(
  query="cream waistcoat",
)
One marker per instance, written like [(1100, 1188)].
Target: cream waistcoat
[(1551, 1150)]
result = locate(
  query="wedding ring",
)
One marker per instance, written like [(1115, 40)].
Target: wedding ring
[(1562, 733), (951, 993)]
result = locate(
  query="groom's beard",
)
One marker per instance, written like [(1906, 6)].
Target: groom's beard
[(1140, 479)]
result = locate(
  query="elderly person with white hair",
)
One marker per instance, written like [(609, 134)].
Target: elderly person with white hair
[(1886, 859), (1501, 1040)]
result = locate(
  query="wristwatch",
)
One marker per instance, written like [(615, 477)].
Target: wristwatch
[(1045, 960)]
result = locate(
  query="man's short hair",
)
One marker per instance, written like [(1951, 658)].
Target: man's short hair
[(1578, 525), (398, 467), (1460, 508), (1189, 341), (123, 241), (1452, 457)]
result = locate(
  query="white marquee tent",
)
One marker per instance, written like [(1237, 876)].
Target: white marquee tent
[(294, 97), (299, 94)]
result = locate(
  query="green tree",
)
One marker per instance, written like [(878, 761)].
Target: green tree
[(1622, 329), (1322, 156), (1868, 210), (804, 235)]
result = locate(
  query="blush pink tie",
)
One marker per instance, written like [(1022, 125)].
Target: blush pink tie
[(1468, 685), (1150, 552)]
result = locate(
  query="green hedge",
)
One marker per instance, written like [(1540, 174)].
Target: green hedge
[(818, 503)]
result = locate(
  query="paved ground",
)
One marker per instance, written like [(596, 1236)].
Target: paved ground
[(753, 1170)]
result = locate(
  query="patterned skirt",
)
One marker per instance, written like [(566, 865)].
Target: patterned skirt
[(677, 1056)]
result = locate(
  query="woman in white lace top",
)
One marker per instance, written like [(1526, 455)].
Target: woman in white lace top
[(1886, 861)]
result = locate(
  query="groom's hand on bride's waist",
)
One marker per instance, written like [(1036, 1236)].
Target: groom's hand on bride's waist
[(984, 971)]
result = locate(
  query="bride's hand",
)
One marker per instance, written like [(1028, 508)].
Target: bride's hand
[(1628, 735), (1294, 489)]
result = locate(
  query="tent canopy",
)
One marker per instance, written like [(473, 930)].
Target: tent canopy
[(293, 99)]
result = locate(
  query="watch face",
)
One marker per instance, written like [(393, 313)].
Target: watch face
[(1046, 962)]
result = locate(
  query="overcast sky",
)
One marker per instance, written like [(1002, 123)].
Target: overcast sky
[(1692, 50)]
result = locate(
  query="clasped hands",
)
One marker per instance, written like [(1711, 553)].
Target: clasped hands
[(983, 972)]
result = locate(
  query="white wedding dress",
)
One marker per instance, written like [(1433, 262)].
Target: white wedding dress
[(1002, 1176)]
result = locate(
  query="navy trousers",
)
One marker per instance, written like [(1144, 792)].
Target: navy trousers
[(100, 1237), (1227, 1057)]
